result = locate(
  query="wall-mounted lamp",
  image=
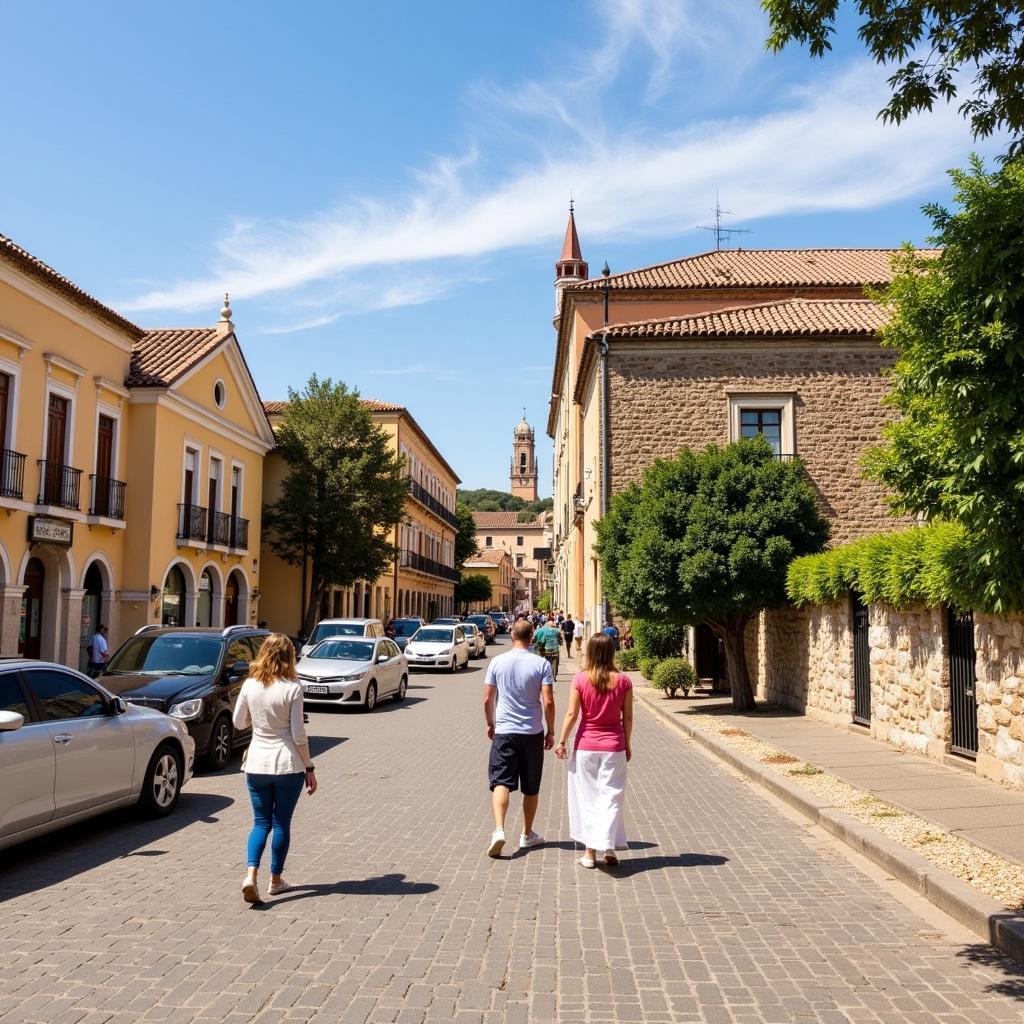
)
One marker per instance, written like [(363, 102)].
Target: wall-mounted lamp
[(255, 593), (588, 473), (154, 592)]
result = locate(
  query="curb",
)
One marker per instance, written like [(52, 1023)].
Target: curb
[(986, 917)]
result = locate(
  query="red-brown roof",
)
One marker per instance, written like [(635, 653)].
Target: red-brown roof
[(490, 556), (571, 245), (785, 318), (43, 272), (373, 404), (161, 356), (502, 521), (759, 268)]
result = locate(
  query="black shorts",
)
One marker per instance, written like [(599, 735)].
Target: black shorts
[(517, 759)]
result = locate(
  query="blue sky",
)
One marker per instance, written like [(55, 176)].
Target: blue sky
[(383, 188)]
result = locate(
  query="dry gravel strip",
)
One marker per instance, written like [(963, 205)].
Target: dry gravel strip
[(994, 876)]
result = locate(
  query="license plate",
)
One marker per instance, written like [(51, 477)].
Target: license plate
[(316, 689)]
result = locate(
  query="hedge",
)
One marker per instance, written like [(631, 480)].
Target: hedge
[(657, 639), (674, 674), (647, 667), (929, 565), (627, 660)]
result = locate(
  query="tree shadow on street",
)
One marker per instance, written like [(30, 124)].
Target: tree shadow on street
[(54, 858), (381, 885), (1012, 983)]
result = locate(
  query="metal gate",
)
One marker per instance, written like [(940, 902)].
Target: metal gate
[(962, 679), (861, 663)]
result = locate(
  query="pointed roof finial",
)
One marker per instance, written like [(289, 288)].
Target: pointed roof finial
[(225, 313), (572, 204)]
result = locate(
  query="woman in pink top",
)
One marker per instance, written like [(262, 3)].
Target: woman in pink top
[(603, 701)]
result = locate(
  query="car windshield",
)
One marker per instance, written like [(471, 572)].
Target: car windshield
[(327, 629), (405, 627), (434, 636), (445, 622), (168, 654), (343, 650), (477, 620)]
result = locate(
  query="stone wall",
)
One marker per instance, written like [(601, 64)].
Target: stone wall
[(671, 395), (802, 659)]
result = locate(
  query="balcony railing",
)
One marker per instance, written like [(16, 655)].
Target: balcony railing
[(107, 497), (785, 456), (228, 531), (58, 485), (424, 497), (191, 522), (12, 474), (412, 560)]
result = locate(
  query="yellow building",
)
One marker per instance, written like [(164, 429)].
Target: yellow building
[(422, 580), (103, 426), (496, 565)]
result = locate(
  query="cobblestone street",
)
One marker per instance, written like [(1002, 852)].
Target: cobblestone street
[(726, 910)]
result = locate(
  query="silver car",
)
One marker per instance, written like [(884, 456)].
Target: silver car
[(438, 647), (326, 628), (69, 749), (353, 670), (475, 639)]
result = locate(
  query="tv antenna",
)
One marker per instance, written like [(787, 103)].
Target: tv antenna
[(720, 230)]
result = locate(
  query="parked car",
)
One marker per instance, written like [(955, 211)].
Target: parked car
[(354, 670), (436, 646), (70, 749), (402, 629), (451, 620), (193, 675), (326, 628), (486, 625), (475, 639)]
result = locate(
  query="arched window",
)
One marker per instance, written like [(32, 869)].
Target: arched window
[(173, 605)]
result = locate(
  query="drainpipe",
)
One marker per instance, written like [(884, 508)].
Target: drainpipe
[(602, 347)]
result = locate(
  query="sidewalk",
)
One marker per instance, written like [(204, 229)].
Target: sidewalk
[(980, 811)]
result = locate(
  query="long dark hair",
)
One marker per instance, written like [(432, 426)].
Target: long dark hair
[(600, 662)]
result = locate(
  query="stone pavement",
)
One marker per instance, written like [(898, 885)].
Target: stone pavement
[(956, 800), (727, 911)]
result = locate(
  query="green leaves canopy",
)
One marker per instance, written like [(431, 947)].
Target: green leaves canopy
[(472, 589)]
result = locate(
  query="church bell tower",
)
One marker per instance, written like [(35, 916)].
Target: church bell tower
[(523, 478)]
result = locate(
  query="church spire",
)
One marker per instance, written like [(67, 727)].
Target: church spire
[(571, 264)]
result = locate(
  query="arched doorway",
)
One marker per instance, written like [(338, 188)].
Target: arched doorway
[(30, 632), (92, 601), (173, 604), (231, 601), (204, 599)]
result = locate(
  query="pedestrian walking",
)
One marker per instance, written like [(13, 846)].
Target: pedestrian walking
[(98, 651), (277, 763), (603, 701), (548, 642), (612, 632), (568, 627), (626, 640), (519, 703), (579, 628)]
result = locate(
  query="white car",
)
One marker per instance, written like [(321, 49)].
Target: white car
[(326, 628), (438, 647), (475, 639), (353, 670), (69, 749)]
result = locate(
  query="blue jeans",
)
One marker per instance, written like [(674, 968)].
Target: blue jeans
[(273, 803)]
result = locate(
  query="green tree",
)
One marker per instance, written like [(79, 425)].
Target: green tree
[(344, 493), (484, 499), (465, 535), (544, 599), (473, 589), (707, 537), (957, 451), (930, 42)]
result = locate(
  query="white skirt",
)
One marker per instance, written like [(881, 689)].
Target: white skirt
[(597, 796)]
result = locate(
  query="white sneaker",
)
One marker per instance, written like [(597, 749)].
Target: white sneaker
[(276, 888), (497, 843), (528, 839), (587, 862)]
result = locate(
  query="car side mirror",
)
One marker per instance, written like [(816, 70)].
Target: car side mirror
[(118, 707), (239, 670), (11, 720), (381, 658)]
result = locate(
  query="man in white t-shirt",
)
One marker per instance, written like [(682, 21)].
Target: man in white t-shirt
[(98, 651), (518, 700)]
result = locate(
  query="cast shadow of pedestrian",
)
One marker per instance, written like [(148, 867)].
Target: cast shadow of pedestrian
[(571, 846), (1012, 982), (638, 865), (382, 885)]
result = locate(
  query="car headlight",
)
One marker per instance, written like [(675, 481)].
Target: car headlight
[(352, 677), (187, 709), (447, 650)]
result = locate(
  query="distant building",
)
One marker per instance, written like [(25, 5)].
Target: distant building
[(523, 474), (496, 565), (527, 543)]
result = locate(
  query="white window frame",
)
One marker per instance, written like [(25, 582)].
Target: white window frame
[(189, 445), (13, 370), (240, 466), (71, 394), (765, 400), (112, 412), (214, 456)]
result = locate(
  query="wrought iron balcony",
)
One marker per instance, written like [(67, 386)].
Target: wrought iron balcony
[(424, 497), (228, 531), (12, 474), (412, 560), (59, 485), (192, 522), (107, 497)]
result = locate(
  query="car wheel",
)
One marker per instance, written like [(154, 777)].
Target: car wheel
[(454, 666), (370, 700), (162, 785), (221, 743), (402, 687)]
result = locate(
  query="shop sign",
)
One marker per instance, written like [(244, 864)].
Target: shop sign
[(43, 530)]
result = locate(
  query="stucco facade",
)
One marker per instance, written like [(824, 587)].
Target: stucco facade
[(503, 531)]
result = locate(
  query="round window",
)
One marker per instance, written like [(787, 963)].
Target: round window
[(219, 394)]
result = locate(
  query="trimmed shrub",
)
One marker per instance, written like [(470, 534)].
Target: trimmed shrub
[(656, 639), (674, 674), (628, 660), (647, 667)]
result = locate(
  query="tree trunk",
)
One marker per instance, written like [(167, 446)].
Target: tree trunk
[(313, 610), (736, 665)]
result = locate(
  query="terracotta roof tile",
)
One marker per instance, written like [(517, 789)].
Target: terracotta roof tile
[(489, 556), (43, 272), (787, 318), (501, 521), (373, 404), (759, 268), (274, 408), (161, 356)]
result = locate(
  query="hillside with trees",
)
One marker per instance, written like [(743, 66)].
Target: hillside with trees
[(483, 499)]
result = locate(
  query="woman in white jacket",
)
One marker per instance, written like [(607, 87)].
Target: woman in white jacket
[(277, 763)]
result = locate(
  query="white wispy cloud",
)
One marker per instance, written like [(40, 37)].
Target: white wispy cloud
[(816, 150)]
